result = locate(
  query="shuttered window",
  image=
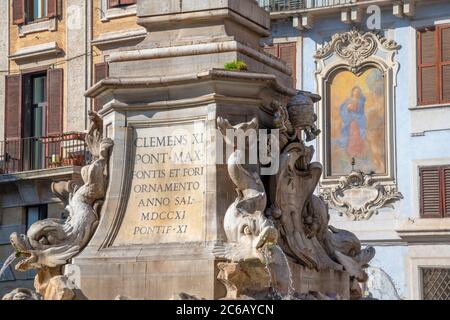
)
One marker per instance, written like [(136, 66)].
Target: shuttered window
[(52, 8), (13, 107), (435, 192), (433, 63), (286, 52), (13, 122), (18, 11), (101, 72), (55, 87), (117, 3), (29, 10)]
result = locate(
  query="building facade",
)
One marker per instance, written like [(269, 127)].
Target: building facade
[(382, 69), (381, 66), (51, 52)]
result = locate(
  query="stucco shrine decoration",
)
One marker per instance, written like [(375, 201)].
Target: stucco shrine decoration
[(359, 196), (355, 47)]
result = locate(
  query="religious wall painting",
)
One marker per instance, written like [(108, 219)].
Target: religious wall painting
[(357, 122)]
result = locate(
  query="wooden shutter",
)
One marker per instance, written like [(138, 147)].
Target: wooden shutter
[(55, 90), (445, 62), (126, 2), (288, 54), (13, 122), (13, 107), (446, 190), (101, 72), (113, 3), (427, 67), (52, 10), (430, 189), (273, 50), (18, 11)]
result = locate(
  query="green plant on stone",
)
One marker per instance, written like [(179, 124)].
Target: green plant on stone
[(237, 65)]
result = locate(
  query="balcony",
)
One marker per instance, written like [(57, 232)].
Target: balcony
[(42, 153), (290, 5), (304, 12)]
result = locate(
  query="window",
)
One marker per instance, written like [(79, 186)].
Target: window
[(286, 52), (33, 109), (35, 214), (34, 120), (25, 11), (119, 3), (37, 9), (435, 284), (433, 65), (435, 192)]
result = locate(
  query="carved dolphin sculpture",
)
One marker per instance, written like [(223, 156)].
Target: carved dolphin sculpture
[(52, 242), (246, 227)]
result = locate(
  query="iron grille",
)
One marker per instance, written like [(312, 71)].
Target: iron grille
[(436, 283)]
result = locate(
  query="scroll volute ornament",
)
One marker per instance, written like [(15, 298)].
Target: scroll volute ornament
[(359, 196), (355, 47)]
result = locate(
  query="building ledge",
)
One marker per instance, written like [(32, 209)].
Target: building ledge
[(38, 26), (425, 230), (114, 13), (118, 38), (54, 173), (38, 52), (429, 118)]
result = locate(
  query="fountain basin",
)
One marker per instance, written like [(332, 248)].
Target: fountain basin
[(250, 279)]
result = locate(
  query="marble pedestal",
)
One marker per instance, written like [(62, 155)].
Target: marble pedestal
[(172, 249), (161, 218)]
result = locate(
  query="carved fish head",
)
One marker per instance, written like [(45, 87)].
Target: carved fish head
[(25, 250), (258, 234)]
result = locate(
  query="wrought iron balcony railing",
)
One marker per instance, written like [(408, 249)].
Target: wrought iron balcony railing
[(288, 5), (37, 153)]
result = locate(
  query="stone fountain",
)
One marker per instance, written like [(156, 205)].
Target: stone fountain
[(159, 214)]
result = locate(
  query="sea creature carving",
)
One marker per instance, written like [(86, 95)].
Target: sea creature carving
[(51, 243), (302, 218), (246, 227)]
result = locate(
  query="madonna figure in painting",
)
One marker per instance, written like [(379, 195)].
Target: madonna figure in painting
[(353, 133)]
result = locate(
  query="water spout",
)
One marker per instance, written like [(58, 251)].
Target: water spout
[(273, 292), (7, 263), (291, 289)]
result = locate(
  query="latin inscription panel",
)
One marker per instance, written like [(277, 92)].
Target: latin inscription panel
[(166, 202)]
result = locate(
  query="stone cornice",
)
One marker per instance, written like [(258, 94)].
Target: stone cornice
[(192, 17), (198, 49), (116, 38), (425, 230), (215, 74), (38, 52)]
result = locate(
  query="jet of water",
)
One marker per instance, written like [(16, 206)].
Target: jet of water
[(291, 289), (273, 292), (7, 263)]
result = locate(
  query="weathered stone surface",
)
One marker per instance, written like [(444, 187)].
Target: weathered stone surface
[(22, 294), (166, 202), (60, 288)]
